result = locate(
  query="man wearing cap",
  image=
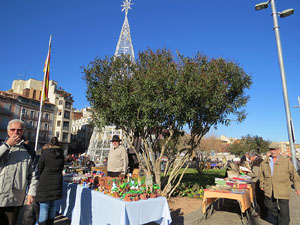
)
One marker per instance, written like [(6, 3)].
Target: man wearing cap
[(276, 175), (117, 162)]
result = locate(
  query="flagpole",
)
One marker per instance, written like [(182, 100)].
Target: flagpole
[(42, 98)]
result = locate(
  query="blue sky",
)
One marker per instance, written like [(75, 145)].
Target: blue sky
[(84, 29)]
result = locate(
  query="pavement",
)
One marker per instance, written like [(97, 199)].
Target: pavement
[(227, 215), (230, 215)]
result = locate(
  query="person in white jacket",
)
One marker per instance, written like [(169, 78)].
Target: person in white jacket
[(17, 174), (117, 162)]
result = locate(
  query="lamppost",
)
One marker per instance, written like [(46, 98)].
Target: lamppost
[(289, 121)]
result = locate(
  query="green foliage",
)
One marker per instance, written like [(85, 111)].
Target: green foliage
[(249, 143), (189, 190), (193, 185), (159, 91)]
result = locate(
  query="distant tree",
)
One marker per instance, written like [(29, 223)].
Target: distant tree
[(249, 143), (238, 148), (203, 151), (156, 96)]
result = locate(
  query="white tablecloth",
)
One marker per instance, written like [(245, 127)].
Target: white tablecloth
[(84, 207)]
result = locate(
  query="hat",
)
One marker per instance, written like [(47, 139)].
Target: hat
[(274, 145), (115, 138)]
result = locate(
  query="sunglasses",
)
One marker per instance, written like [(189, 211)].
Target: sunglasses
[(14, 129)]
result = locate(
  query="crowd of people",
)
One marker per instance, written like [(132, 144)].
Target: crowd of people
[(273, 177), (28, 177), (23, 173)]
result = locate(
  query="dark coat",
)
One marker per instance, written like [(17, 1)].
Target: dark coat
[(51, 164)]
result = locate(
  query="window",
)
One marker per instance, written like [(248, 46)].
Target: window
[(46, 126), (59, 112), (57, 134), (65, 136), (26, 92), (58, 123), (68, 105), (29, 135), (34, 94), (47, 116), (24, 112), (67, 114), (66, 125), (60, 102), (30, 124), (31, 114), (7, 106)]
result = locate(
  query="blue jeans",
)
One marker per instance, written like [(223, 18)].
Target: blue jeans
[(47, 211)]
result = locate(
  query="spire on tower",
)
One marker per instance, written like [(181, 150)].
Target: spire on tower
[(124, 45), (126, 6)]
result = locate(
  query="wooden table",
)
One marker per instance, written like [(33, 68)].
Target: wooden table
[(244, 199)]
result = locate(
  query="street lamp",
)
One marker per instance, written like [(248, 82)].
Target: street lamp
[(298, 106), (289, 121), (262, 5), (286, 13)]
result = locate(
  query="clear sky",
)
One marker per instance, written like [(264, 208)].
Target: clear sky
[(84, 29)]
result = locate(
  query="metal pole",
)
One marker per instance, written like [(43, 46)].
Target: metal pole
[(284, 86)]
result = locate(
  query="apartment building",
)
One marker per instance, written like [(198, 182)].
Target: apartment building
[(16, 106), (62, 101), (81, 130)]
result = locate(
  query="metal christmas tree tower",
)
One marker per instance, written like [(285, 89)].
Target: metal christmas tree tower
[(100, 141), (124, 45)]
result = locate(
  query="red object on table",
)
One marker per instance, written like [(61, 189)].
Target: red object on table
[(237, 178)]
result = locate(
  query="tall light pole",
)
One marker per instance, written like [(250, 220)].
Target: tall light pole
[(289, 121)]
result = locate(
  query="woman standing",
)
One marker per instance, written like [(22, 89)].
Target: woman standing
[(51, 164)]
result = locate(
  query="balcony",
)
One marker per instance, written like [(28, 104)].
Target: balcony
[(45, 119), (65, 128), (41, 139), (5, 111)]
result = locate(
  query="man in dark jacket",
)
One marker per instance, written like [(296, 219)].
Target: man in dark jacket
[(276, 175), (16, 174), (256, 160)]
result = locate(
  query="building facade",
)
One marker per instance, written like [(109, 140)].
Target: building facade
[(16, 106), (63, 106), (81, 130)]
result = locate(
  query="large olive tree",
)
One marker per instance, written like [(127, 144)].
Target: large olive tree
[(159, 95)]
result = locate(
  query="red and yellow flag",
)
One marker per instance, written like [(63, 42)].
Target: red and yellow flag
[(47, 73)]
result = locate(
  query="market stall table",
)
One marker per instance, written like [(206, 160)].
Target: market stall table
[(85, 206), (244, 199)]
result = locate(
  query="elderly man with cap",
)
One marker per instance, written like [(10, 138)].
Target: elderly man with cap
[(117, 162), (276, 175)]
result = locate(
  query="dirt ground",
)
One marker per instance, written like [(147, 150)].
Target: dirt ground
[(179, 206), (184, 204)]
